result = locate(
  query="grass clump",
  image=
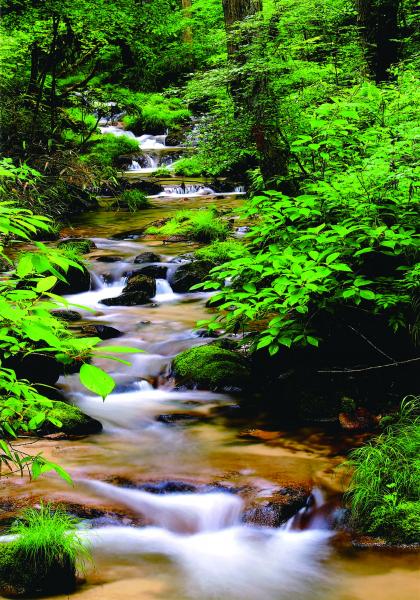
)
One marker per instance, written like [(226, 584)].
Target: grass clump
[(220, 252), (134, 200), (384, 491), (45, 556), (153, 112), (201, 225)]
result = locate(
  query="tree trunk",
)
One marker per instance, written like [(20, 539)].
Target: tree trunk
[(187, 35), (234, 12), (378, 20)]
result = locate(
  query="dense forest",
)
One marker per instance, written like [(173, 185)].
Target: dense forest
[(230, 188)]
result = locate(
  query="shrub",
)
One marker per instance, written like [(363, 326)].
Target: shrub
[(384, 489), (46, 554), (202, 225), (134, 200), (153, 112), (190, 167)]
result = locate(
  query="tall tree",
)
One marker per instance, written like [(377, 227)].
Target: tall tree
[(378, 21)]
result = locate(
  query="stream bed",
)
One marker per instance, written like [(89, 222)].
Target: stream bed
[(166, 497)]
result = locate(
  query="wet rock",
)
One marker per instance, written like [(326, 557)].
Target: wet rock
[(36, 368), (109, 258), (67, 315), (138, 282), (147, 257), (156, 271), (127, 299), (105, 332), (77, 281), (189, 274), (73, 420), (80, 245), (211, 367), (278, 508)]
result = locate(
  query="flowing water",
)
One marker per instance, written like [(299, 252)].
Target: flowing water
[(191, 542)]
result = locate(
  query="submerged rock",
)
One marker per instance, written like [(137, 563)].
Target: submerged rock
[(189, 274), (67, 315), (105, 332), (211, 367), (109, 258)]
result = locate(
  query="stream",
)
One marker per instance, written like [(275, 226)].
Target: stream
[(166, 498)]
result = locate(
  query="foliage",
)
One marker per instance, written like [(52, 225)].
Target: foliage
[(218, 253), (348, 238), (48, 536), (190, 166), (384, 490), (134, 199), (105, 149), (202, 225), (152, 112)]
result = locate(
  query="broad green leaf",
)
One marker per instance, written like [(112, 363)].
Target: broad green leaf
[(96, 380)]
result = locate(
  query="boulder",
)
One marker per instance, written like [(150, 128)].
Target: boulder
[(74, 421), (35, 367), (212, 368), (127, 299), (156, 271), (189, 274), (147, 257), (77, 281), (105, 332), (139, 282), (80, 245)]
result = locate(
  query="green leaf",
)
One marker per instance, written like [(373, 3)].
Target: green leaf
[(46, 284), (313, 341), (367, 294), (96, 380), (118, 349)]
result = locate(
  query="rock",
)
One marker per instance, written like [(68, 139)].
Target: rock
[(23, 576), (156, 271), (139, 282), (132, 234), (77, 281), (189, 274), (109, 258), (74, 421), (67, 315), (211, 367), (81, 245), (36, 368), (105, 332), (278, 508), (127, 299), (147, 257)]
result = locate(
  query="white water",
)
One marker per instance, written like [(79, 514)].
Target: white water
[(164, 292)]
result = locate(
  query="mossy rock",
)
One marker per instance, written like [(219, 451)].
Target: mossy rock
[(211, 367), (127, 299), (189, 274), (79, 245), (21, 576), (141, 283), (74, 421), (147, 257), (77, 281)]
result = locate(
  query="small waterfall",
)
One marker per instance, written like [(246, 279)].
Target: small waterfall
[(240, 189), (116, 131), (186, 190), (134, 166), (96, 282), (164, 291), (184, 513)]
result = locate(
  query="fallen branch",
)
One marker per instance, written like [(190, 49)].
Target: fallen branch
[(393, 364)]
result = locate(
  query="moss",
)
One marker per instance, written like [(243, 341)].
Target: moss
[(211, 367), (134, 199), (105, 149), (73, 420), (399, 524), (202, 225)]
